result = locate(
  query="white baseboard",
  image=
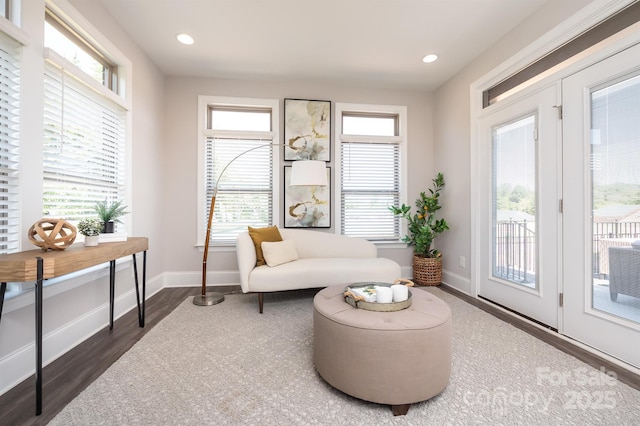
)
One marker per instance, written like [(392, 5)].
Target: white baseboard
[(20, 364), (194, 279), (456, 281), (448, 278)]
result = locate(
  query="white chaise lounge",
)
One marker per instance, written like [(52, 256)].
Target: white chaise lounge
[(319, 259)]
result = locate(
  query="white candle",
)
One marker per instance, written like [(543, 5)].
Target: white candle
[(400, 292), (384, 294)]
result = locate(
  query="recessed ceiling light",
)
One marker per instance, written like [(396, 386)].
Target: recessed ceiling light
[(432, 57), (185, 38)]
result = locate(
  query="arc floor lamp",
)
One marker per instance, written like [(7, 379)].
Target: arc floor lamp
[(303, 173)]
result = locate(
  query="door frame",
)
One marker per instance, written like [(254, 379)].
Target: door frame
[(581, 317), (587, 17), (541, 303)]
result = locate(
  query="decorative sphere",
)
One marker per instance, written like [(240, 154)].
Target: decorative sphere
[(54, 234)]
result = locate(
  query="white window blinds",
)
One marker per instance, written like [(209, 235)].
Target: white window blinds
[(370, 183), (84, 146), (245, 191), (9, 143)]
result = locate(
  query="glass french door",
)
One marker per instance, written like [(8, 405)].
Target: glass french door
[(601, 223), (518, 200)]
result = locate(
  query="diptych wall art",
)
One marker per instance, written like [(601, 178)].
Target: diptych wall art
[(306, 206), (307, 130)]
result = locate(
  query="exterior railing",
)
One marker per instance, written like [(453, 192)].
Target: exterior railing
[(515, 251), (605, 235), (515, 247)]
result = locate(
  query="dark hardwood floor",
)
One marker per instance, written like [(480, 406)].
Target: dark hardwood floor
[(66, 377), (70, 374)]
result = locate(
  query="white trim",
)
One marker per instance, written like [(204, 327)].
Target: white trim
[(66, 11), (203, 102), (55, 59), (209, 133), (595, 12), (371, 139), (390, 244), (194, 278), (15, 32), (123, 97), (457, 282), (402, 112)]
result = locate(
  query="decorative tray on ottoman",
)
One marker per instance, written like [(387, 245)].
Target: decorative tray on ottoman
[(369, 287)]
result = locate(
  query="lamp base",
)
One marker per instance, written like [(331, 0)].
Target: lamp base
[(209, 299)]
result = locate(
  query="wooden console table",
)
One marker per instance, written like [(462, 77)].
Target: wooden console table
[(37, 266)]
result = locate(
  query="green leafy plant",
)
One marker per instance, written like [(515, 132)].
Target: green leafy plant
[(90, 227), (423, 225), (110, 211)]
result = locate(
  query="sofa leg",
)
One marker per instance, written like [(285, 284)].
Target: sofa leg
[(261, 301), (400, 410)]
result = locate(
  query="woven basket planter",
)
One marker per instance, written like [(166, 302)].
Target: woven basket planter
[(427, 271)]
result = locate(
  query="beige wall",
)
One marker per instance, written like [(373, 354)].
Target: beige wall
[(181, 152), (452, 119)]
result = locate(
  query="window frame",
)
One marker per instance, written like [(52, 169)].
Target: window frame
[(123, 66), (81, 28), (12, 11), (14, 38), (110, 71), (205, 102), (11, 152), (62, 74), (17, 293), (351, 109)]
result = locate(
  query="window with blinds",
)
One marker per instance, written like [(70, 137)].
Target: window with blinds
[(84, 139), (238, 143), (370, 164), (9, 144)]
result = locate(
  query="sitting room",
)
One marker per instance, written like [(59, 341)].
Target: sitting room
[(345, 212)]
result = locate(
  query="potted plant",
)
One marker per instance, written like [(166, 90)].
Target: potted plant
[(423, 229), (91, 229), (110, 213)]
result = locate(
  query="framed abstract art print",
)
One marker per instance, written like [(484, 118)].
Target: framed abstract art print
[(307, 130), (306, 206)]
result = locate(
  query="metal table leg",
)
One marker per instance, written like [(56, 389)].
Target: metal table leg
[(141, 302), (3, 290), (112, 291), (39, 283), (144, 284)]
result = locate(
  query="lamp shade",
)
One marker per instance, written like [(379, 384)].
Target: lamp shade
[(309, 172)]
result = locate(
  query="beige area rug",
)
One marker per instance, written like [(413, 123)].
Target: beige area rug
[(229, 365)]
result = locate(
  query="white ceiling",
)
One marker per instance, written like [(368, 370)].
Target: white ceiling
[(365, 42)]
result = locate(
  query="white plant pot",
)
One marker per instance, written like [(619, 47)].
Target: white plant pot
[(91, 241)]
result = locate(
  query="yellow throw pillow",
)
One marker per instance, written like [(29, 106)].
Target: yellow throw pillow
[(259, 235)]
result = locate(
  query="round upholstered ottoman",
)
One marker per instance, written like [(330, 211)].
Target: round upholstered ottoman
[(394, 358)]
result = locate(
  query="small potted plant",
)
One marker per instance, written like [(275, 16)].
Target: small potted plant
[(91, 229), (423, 229), (110, 213)]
